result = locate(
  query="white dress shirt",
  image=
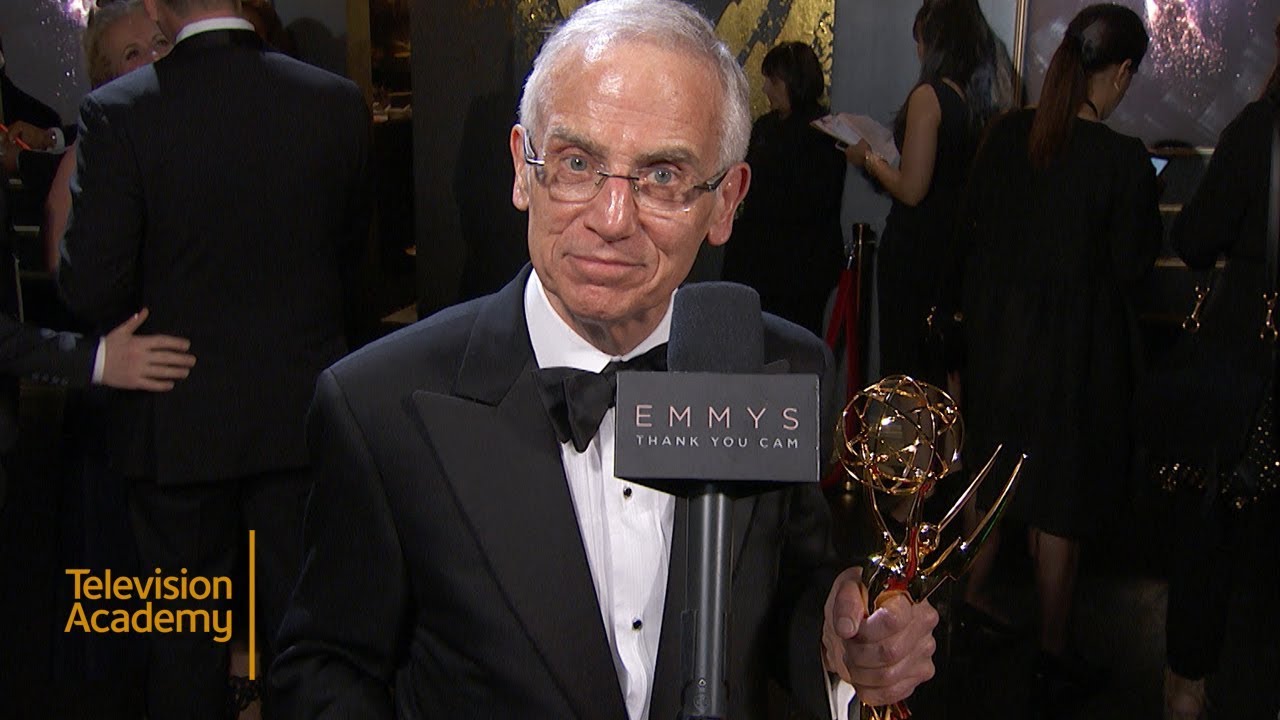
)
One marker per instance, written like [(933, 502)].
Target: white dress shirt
[(626, 528), (218, 23)]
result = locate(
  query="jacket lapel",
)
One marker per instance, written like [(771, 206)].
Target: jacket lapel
[(509, 481)]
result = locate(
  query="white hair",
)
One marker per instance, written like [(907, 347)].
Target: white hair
[(666, 23)]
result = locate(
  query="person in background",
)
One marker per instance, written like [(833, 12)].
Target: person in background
[(1061, 222), (262, 289), (936, 131), (787, 243), (118, 38), (1227, 216)]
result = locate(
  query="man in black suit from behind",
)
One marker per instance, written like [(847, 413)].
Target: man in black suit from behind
[(464, 559), (225, 187)]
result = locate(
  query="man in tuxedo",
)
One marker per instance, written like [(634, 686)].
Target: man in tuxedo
[(224, 187), (465, 560)]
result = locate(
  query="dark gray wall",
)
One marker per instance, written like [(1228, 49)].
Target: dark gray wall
[(874, 68), (319, 28), (464, 98)]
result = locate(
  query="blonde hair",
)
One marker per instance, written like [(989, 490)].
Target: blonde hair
[(102, 16)]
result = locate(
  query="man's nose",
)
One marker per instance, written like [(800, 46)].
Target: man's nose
[(613, 213)]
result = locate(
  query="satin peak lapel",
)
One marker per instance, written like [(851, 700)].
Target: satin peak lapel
[(501, 458)]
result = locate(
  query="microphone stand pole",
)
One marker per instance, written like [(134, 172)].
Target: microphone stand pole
[(705, 625)]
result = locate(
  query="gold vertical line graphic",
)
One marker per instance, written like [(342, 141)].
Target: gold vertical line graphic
[(253, 624)]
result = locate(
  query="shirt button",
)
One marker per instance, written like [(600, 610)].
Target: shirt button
[(637, 624), (626, 493)]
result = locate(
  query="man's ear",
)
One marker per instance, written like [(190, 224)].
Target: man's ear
[(728, 197), (520, 187)]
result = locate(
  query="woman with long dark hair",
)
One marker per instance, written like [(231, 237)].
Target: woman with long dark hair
[(958, 91), (787, 243), (1061, 221)]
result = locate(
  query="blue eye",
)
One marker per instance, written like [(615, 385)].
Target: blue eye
[(577, 164), (662, 176)]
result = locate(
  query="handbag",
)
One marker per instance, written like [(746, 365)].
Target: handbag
[(1204, 415)]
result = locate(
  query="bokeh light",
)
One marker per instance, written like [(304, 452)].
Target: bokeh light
[(77, 10)]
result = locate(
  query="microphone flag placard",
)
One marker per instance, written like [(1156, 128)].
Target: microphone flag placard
[(717, 426)]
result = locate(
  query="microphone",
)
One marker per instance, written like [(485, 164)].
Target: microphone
[(712, 428), (715, 328)]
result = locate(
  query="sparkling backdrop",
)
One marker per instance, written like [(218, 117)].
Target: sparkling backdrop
[(77, 10), (1207, 59), (42, 50)]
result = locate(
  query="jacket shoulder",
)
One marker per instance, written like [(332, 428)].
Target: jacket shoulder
[(425, 355), (784, 340)]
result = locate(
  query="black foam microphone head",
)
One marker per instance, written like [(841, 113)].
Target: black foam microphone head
[(716, 327)]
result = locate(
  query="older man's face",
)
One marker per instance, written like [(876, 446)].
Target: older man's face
[(608, 264)]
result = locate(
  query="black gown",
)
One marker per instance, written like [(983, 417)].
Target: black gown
[(917, 258), (1227, 216), (1054, 257), (787, 243)]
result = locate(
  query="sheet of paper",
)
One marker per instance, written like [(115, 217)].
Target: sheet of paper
[(849, 129)]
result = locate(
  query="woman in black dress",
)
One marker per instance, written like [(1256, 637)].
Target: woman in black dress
[(787, 243), (936, 132), (1061, 219), (1228, 216)]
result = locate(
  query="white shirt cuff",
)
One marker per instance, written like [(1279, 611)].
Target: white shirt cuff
[(840, 694), (100, 361)]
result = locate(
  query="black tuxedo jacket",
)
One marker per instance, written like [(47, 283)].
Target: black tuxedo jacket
[(445, 575), (223, 187)]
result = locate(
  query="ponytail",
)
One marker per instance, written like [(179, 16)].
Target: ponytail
[(1065, 88), (1099, 37)]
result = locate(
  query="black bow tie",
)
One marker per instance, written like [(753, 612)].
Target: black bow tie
[(577, 400)]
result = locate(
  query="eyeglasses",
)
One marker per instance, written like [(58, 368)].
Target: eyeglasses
[(574, 177)]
